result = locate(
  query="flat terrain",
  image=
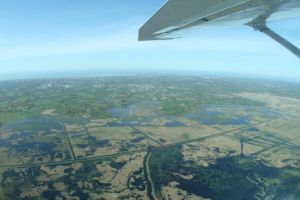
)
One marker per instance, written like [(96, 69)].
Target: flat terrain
[(149, 137)]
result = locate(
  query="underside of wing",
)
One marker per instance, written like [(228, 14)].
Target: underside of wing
[(179, 15)]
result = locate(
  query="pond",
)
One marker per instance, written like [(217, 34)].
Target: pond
[(209, 117), (45, 124), (121, 112), (174, 124)]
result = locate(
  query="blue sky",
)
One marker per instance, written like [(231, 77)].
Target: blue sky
[(64, 35)]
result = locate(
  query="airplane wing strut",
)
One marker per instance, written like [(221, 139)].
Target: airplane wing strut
[(295, 50), (262, 27)]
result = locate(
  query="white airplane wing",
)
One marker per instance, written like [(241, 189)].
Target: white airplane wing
[(176, 16)]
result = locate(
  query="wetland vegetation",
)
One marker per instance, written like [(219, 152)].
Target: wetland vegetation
[(149, 137)]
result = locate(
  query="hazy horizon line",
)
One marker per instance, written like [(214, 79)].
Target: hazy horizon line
[(60, 74)]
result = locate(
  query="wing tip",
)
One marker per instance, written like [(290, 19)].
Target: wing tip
[(145, 36)]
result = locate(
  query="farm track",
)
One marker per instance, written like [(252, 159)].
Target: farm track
[(73, 161), (147, 176), (69, 142)]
